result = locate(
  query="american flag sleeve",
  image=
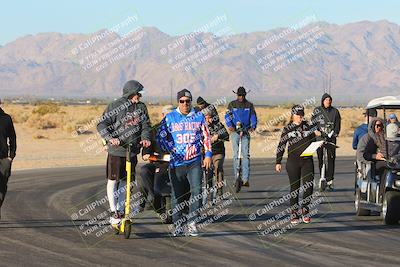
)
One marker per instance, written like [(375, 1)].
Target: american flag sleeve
[(206, 140)]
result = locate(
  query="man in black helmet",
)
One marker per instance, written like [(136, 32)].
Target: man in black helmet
[(125, 121), (327, 119)]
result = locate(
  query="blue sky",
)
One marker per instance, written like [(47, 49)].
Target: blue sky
[(18, 18)]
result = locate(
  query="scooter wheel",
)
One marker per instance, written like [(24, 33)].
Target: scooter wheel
[(128, 228)]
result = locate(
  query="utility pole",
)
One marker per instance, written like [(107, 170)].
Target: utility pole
[(171, 89)]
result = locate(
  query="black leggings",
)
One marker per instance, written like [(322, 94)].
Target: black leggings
[(300, 169)]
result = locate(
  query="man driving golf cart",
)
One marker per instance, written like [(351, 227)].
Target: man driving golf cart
[(153, 179), (372, 146), (378, 185)]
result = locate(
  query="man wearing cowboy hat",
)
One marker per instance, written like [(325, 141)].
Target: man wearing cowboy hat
[(241, 116)]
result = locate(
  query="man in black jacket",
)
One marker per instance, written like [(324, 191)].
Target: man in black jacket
[(8, 147), (327, 119), (205, 107), (153, 179), (125, 121), (219, 135)]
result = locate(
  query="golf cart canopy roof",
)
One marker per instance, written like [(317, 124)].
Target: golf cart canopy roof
[(387, 102)]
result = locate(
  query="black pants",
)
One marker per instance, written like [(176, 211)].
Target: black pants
[(116, 168), (300, 170), (331, 153), (153, 180), (5, 172)]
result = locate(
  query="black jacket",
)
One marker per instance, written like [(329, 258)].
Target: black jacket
[(125, 120), (298, 138), (8, 140), (154, 147), (216, 127), (322, 117)]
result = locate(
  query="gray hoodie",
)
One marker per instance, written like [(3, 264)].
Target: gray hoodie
[(371, 142), (125, 120)]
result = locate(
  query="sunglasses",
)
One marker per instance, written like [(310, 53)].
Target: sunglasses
[(187, 101), (378, 125)]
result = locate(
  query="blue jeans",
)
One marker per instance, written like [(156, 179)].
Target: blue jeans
[(180, 178), (235, 137)]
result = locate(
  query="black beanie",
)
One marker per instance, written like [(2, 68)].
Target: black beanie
[(297, 110), (201, 101), (184, 92)]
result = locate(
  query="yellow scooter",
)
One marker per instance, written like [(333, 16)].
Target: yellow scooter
[(125, 226)]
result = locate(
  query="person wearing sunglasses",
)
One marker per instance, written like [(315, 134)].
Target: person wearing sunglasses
[(125, 121), (298, 135), (241, 117), (185, 135), (372, 146)]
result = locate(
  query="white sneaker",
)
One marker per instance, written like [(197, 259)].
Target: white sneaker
[(115, 219), (191, 229), (178, 231), (330, 185)]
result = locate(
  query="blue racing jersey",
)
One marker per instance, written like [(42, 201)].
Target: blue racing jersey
[(185, 137)]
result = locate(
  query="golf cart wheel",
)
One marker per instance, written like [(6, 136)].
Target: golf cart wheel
[(355, 176), (360, 211), (390, 207), (128, 228)]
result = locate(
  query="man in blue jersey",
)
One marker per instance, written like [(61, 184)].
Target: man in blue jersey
[(241, 117), (184, 134)]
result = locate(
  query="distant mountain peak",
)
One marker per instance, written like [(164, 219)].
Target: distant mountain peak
[(362, 57)]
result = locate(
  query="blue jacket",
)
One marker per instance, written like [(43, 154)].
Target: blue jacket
[(242, 112), (358, 133), (184, 137)]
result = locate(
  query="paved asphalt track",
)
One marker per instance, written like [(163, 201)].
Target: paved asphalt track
[(36, 227)]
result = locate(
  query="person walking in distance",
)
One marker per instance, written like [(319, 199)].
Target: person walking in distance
[(328, 119), (8, 147), (241, 120)]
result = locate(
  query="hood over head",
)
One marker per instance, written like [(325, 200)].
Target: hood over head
[(132, 87), (325, 96)]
